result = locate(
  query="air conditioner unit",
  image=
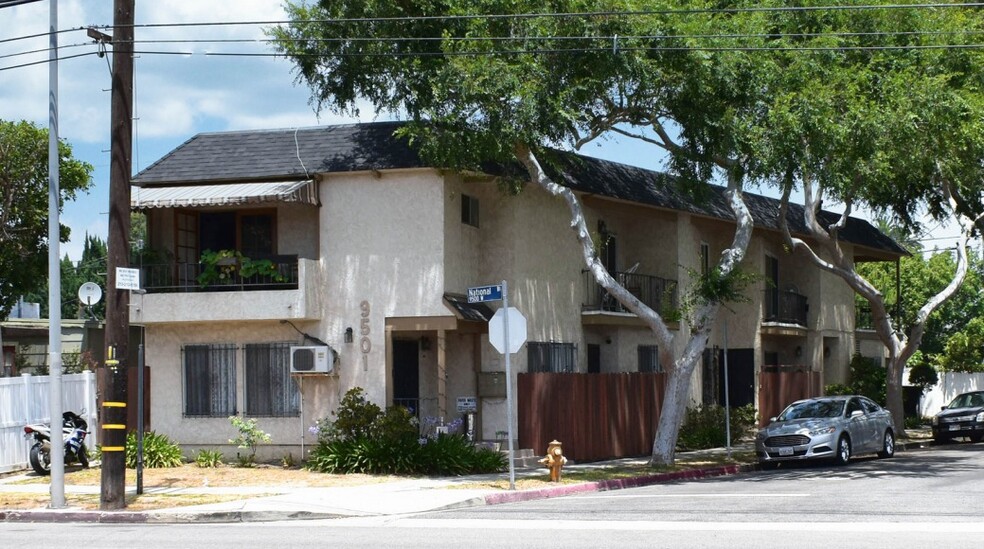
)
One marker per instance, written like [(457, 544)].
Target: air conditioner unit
[(311, 360)]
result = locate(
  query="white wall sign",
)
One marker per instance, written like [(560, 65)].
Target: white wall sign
[(127, 279)]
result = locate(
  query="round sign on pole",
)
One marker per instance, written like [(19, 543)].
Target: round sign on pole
[(517, 330)]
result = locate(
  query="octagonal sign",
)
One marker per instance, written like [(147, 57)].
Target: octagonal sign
[(517, 330)]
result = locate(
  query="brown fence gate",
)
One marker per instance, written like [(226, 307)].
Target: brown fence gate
[(595, 416), (781, 385)]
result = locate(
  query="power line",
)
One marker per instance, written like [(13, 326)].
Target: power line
[(569, 15)]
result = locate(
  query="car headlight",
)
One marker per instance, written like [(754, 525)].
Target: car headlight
[(980, 417), (822, 431), (760, 435), (936, 420)]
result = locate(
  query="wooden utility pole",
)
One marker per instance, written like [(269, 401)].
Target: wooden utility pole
[(113, 381)]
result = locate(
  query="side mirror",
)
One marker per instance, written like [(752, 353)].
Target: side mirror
[(857, 413), (942, 408), (772, 419)]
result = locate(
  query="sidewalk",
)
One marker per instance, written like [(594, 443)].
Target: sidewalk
[(382, 499)]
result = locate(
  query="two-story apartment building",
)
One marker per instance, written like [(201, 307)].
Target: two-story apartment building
[(345, 237)]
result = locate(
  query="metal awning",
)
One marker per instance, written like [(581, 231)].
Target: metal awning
[(302, 192)]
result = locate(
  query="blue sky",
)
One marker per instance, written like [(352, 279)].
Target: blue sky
[(176, 96)]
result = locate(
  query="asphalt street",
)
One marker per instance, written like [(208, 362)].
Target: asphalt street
[(931, 497)]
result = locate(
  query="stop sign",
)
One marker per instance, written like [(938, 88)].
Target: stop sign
[(517, 330)]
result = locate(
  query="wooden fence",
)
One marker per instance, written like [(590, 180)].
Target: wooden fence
[(781, 385), (595, 416)]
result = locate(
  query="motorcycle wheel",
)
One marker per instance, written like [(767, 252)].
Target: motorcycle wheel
[(83, 456), (40, 460)]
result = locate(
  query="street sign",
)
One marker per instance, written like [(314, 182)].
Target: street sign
[(127, 279), (467, 405), (478, 294), (517, 330)]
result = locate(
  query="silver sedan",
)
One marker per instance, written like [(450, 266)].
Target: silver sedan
[(833, 427)]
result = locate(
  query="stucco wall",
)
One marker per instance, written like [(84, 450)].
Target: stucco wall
[(164, 359)]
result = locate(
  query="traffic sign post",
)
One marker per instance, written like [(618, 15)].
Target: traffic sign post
[(507, 333)]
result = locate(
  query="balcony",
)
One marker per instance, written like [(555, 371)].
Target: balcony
[(865, 320), (785, 307), (178, 293), (660, 294), (197, 277)]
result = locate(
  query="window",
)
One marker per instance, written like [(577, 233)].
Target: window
[(469, 210), (551, 357), (705, 258), (252, 232), (270, 390), (209, 380), (649, 359)]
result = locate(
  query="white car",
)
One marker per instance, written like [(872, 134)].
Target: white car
[(832, 427)]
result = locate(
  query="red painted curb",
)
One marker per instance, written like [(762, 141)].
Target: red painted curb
[(613, 484)]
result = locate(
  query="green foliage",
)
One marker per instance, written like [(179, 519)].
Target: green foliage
[(250, 435), (158, 451), (705, 426), (866, 378), (208, 458), (838, 389), (24, 207), (923, 375), (365, 439), (914, 422), (356, 416), (964, 351), (714, 287), (230, 266)]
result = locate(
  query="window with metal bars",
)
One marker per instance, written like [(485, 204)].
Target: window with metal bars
[(551, 357), (649, 359), (270, 390), (209, 380)]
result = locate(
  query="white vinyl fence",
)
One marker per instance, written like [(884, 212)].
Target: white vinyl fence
[(26, 399), (950, 385)]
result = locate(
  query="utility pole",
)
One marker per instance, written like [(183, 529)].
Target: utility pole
[(113, 381)]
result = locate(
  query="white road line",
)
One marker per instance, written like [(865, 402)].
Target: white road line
[(669, 526)]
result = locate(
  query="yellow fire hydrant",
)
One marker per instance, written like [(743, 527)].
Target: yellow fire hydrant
[(555, 460)]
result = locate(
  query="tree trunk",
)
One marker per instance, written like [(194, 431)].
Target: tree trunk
[(893, 393)]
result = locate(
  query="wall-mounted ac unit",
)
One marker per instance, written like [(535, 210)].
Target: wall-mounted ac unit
[(311, 360)]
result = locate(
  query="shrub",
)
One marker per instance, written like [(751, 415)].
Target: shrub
[(365, 439), (250, 435), (923, 375), (868, 378), (158, 451), (208, 458), (838, 389), (705, 426)]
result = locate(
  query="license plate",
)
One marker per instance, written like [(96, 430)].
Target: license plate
[(785, 451), (954, 427)]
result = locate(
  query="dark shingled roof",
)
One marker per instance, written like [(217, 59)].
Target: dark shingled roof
[(285, 154)]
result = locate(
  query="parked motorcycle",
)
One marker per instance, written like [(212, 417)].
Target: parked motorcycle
[(74, 431)]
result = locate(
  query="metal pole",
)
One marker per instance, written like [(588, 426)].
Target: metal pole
[(727, 390), (57, 453), (140, 413), (509, 396), (300, 380)]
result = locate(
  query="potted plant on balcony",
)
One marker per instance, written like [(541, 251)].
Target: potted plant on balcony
[(218, 267)]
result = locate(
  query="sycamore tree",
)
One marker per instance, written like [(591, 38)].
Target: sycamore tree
[(505, 80), (24, 206), (880, 107)]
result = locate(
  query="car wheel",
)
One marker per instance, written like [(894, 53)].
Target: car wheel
[(977, 437), (942, 440), (843, 451), (888, 445)]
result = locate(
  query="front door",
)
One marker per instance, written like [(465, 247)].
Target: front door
[(741, 377), (406, 374)]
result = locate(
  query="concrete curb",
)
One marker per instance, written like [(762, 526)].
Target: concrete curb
[(615, 484), (176, 516)]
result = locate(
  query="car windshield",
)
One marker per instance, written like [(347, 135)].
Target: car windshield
[(812, 409), (968, 400)]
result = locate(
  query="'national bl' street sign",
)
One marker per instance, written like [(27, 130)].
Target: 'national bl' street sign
[(478, 294)]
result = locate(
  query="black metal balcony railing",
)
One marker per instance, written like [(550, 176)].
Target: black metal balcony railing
[(186, 277), (660, 294), (785, 306), (865, 320)]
